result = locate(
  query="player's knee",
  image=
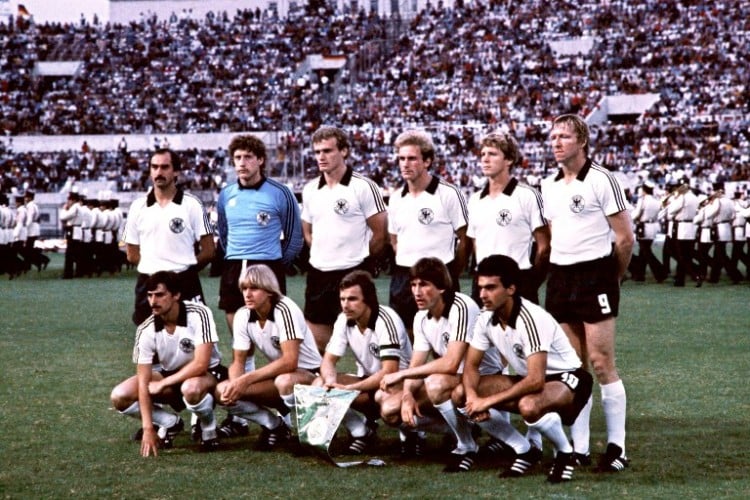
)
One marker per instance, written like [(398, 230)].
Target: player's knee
[(318, 382), (120, 398), (284, 383), (437, 388), (603, 366), (529, 410), (192, 391), (390, 412), (458, 396)]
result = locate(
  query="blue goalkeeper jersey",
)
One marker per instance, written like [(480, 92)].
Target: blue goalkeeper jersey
[(260, 222)]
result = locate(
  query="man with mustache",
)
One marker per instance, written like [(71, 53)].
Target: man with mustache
[(163, 230)]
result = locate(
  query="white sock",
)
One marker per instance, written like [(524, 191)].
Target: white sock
[(162, 417), (499, 427), (534, 437), (614, 403), (355, 423), (460, 427), (254, 413), (551, 426), (431, 424), (133, 410), (580, 431), (204, 410)]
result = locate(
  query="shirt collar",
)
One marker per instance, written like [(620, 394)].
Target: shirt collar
[(431, 187), (255, 186), (254, 318), (151, 198), (581, 174), (374, 313), (344, 180), (449, 296), (509, 188), (514, 312), (181, 318)]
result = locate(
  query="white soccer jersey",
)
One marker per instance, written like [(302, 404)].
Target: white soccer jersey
[(195, 326), (285, 322), (505, 224), (530, 330), (426, 224), (338, 215), (166, 235), (455, 325), (578, 213), (384, 339)]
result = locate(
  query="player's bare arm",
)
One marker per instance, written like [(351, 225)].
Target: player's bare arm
[(621, 225)]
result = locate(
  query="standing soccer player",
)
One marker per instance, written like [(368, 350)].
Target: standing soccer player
[(344, 222), (427, 218), (591, 246), (505, 217), (162, 230)]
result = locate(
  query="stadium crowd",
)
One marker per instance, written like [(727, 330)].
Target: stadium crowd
[(457, 72)]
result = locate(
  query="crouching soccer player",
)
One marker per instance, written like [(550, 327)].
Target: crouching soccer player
[(550, 386), (418, 399), (182, 337), (377, 338), (273, 324)]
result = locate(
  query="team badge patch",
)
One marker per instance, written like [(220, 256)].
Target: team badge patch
[(374, 349), (518, 351), (503, 217), (187, 346), (263, 218), (426, 216), (341, 207), (177, 225), (445, 336), (275, 341), (577, 203)]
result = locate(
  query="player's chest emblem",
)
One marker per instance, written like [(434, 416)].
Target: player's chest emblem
[(263, 218), (425, 216), (374, 349), (177, 225), (275, 342), (232, 202), (187, 346), (504, 217), (518, 351), (341, 206), (577, 204), (445, 337)]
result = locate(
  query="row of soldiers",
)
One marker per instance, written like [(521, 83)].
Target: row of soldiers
[(92, 229), (698, 229), (19, 231)]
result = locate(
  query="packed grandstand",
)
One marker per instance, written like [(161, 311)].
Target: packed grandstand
[(458, 72)]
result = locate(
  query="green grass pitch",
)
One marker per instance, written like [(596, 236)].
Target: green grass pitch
[(683, 354)]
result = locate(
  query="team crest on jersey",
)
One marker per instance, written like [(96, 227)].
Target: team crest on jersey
[(503, 217), (577, 203), (177, 225), (232, 202), (445, 336), (426, 216), (275, 342), (341, 207), (263, 218), (187, 346), (374, 349), (518, 351)]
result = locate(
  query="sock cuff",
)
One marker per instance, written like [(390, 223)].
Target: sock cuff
[(612, 390)]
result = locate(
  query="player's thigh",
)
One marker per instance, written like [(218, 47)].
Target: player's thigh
[(492, 384)]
